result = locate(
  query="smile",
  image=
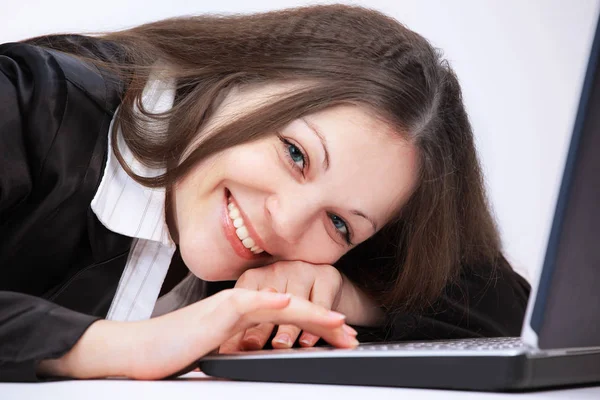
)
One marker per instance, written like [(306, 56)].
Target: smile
[(240, 227), (239, 231)]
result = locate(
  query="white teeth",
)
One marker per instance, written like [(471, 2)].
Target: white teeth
[(242, 231), (256, 250), (238, 222), (235, 213), (248, 243)]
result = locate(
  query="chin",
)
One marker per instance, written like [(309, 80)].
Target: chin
[(215, 277), (214, 274)]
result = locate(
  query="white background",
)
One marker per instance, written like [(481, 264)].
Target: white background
[(521, 65)]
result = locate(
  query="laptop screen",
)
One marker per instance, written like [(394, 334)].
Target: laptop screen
[(566, 312)]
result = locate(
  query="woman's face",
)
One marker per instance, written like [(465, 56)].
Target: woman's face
[(310, 192)]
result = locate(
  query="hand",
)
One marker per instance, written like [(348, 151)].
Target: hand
[(323, 285), (162, 346)]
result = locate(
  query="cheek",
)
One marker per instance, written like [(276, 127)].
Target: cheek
[(316, 247), (252, 163)]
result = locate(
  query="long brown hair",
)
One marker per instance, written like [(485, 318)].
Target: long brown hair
[(347, 55)]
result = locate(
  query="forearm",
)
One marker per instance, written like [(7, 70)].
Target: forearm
[(33, 329), (102, 351)]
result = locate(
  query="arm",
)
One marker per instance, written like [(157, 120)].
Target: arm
[(483, 302), (169, 344), (30, 328)]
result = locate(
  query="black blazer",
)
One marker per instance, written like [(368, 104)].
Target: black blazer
[(59, 266)]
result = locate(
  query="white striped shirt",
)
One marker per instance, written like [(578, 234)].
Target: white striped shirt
[(131, 209)]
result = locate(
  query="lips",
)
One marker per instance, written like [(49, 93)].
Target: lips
[(232, 237)]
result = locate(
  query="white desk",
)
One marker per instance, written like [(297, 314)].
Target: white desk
[(198, 386)]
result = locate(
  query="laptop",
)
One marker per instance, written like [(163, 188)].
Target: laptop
[(560, 340)]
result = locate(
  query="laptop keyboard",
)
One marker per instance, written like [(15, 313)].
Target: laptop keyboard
[(501, 343)]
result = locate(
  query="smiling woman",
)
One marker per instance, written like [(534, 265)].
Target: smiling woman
[(299, 194), (323, 153)]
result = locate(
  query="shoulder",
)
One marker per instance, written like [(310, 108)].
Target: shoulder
[(47, 94), (499, 284), (52, 71), (56, 110), (485, 300)]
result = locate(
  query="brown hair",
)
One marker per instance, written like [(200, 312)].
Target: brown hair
[(348, 55)]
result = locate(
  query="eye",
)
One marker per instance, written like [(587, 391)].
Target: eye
[(342, 228), (295, 155)]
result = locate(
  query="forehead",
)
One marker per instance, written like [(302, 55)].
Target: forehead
[(372, 167)]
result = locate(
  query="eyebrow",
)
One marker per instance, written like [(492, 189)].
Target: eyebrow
[(326, 167), (323, 142)]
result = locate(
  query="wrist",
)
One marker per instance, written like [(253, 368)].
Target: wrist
[(359, 308)]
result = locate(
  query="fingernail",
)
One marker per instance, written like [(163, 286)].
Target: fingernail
[(308, 339), (353, 342), (283, 339), (336, 315), (251, 343), (282, 296), (269, 289), (349, 330)]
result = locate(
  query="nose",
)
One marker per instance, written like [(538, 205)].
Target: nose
[(291, 214)]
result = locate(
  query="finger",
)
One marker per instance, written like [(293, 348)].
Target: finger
[(229, 319), (256, 337), (238, 343), (240, 309), (232, 345), (310, 317), (287, 334), (324, 295), (308, 339)]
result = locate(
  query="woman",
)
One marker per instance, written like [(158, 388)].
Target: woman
[(318, 159)]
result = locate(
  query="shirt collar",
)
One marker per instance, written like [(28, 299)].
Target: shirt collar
[(123, 205)]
